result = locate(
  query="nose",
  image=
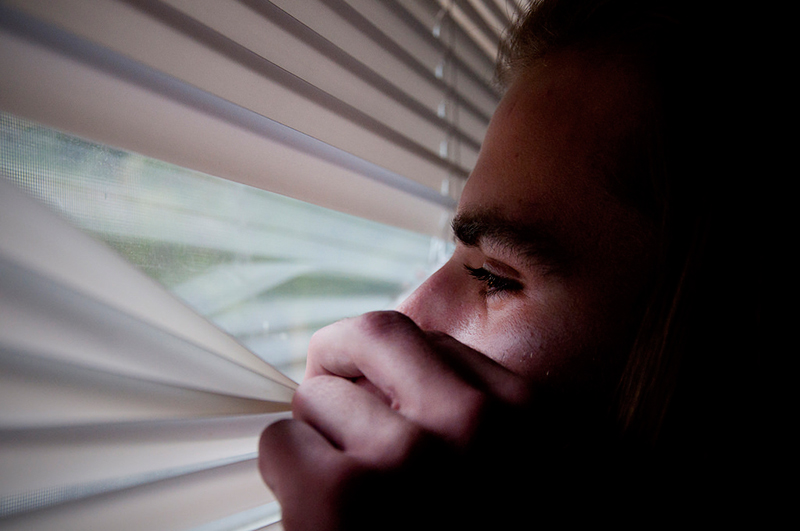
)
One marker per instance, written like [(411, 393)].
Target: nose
[(433, 305)]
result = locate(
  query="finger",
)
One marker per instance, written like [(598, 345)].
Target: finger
[(302, 469), (481, 370), (475, 367), (355, 420), (291, 449), (400, 359)]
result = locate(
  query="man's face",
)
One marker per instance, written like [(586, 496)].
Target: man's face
[(548, 263)]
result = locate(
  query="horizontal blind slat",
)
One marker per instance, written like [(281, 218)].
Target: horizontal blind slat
[(38, 392), (92, 458), (69, 257), (387, 40), (235, 144), (466, 53), (472, 79), (405, 86), (248, 79), (181, 502), (62, 324), (68, 458), (329, 130)]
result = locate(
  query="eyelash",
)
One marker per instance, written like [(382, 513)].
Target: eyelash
[(494, 284)]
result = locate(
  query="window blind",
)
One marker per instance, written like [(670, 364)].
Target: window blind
[(121, 406), (372, 108)]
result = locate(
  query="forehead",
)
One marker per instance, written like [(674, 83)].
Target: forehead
[(552, 144)]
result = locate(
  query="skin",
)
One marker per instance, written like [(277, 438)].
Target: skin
[(539, 203), (539, 293)]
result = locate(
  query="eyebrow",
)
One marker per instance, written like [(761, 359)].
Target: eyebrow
[(532, 242)]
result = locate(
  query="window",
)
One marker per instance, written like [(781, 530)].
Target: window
[(267, 269), (270, 166)]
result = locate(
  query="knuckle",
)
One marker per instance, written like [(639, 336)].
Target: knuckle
[(474, 407), (455, 417), (394, 447), (473, 403), (316, 343), (311, 391)]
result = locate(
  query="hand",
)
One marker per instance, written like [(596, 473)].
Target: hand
[(394, 425)]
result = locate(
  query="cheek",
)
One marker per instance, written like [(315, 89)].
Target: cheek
[(539, 340), (514, 337)]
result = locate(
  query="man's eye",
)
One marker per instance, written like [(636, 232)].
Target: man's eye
[(494, 284)]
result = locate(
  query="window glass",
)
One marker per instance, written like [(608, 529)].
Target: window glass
[(267, 269)]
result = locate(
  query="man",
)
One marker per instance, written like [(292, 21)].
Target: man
[(542, 372)]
